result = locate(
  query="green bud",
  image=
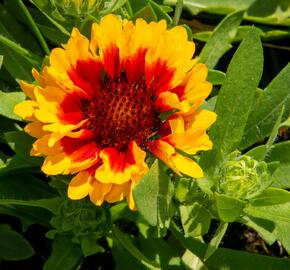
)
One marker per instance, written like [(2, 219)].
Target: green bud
[(242, 177), (81, 219)]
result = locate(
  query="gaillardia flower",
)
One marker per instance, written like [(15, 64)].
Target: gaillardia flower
[(96, 109)]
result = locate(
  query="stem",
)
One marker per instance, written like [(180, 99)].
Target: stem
[(177, 12), (34, 27), (215, 241)]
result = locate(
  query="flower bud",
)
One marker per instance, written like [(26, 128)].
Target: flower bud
[(242, 177)]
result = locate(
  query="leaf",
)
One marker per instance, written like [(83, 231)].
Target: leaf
[(280, 152), (51, 14), (267, 109), (273, 205), (271, 196), (231, 259), (28, 215), (166, 253), (65, 255), (220, 39), (31, 23), (16, 48), (260, 152), (119, 253), (13, 246), (8, 102), (125, 241), (235, 99), (271, 12), (213, 6), (111, 6), (215, 241), (195, 219), (21, 143), (216, 77), (160, 12), (1, 61), (262, 226), (281, 176), (153, 195), (89, 246), (229, 209), (147, 13)]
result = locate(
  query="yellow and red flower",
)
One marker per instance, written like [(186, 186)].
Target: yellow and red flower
[(96, 108)]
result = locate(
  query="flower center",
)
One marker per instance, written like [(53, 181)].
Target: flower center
[(121, 112)]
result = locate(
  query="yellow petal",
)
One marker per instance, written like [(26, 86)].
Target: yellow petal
[(57, 164), (79, 186), (186, 165), (26, 109)]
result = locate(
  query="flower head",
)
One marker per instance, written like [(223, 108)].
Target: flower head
[(96, 109)]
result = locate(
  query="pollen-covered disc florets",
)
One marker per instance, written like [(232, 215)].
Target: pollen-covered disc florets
[(96, 108), (124, 112)]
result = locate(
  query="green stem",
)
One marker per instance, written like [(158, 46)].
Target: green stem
[(34, 27), (177, 13), (215, 241)]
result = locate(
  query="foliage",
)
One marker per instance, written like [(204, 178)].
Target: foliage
[(247, 173)]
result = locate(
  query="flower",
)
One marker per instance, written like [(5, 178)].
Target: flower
[(96, 109)]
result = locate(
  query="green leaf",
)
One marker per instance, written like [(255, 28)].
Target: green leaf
[(125, 241), (215, 241), (160, 12), (1, 61), (235, 99), (271, 12), (273, 205), (119, 253), (213, 6), (258, 153), (153, 196), (21, 143), (25, 189), (111, 6), (195, 219), (231, 259), (16, 48), (281, 176), (31, 23), (229, 209), (165, 253), (13, 246), (262, 226), (220, 40), (89, 246), (28, 215), (65, 255), (147, 13), (51, 14), (267, 109), (8, 102), (279, 152), (271, 196), (216, 77)]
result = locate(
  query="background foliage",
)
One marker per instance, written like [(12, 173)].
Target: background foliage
[(180, 222)]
